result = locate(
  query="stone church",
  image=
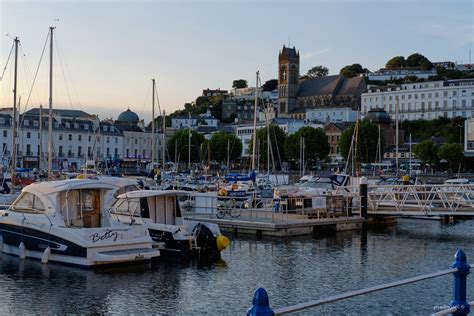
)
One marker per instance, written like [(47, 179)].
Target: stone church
[(296, 94)]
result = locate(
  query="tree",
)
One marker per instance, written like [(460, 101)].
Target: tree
[(218, 146), (270, 85), (418, 60), (179, 144), (318, 71), (367, 141), (453, 153), (353, 70), (277, 141), (316, 144), (239, 83), (202, 101), (396, 63), (427, 152)]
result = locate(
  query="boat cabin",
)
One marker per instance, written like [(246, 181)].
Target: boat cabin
[(156, 205)]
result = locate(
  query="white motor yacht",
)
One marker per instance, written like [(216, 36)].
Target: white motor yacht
[(178, 239), (66, 221)]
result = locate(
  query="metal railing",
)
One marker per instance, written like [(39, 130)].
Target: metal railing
[(270, 210), (459, 305)]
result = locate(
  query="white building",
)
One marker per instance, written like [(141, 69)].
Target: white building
[(76, 137), (332, 115), (387, 74), (194, 121), (469, 138), (423, 100)]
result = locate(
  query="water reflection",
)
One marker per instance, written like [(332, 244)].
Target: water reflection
[(292, 270)]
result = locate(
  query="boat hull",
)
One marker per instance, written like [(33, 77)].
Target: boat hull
[(36, 241)]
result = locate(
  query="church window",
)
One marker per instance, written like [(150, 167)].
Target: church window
[(283, 73), (294, 74)]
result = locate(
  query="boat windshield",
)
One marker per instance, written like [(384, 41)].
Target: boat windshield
[(317, 185), (28, 203), (130, 207)]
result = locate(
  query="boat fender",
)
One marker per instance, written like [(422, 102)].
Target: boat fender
[(1, 242), (222, 242), (45, 255), (22, 251)]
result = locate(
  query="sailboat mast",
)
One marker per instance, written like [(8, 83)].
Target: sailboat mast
[(50, 117), (396, 134), (14, 108), (228, 153), (40, 148), (189, 143), (268, 141), (254, 142), (153, 125), (163, 151)]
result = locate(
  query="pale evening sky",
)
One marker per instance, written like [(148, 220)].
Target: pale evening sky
[(110, 50)]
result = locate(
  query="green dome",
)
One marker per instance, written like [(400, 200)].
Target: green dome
[(128, 117)]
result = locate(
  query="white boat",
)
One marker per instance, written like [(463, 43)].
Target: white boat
[(66, 221), (178, 239)]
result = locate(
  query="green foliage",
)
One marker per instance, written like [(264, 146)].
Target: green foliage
[(353, 70), (180, 143), (427, 152), (453, 153), (317, 71), (270, 85), (316, 144), (367, 141), (218, 146), (277, 141), (202, 101), (444, 73), (239, 83), (451, 130), (396, 63), (418, 60)]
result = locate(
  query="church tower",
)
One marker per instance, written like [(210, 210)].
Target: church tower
[(288, 77)]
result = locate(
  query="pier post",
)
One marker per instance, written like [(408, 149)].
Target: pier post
[(363, 197), (459, 292), (260, 304)]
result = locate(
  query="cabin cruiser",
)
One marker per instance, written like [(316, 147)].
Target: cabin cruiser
[(177, 238), (65, 221)]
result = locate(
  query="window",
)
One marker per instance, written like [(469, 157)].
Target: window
[(116, 140), (409, 96), (28, 134), (60, 136), (86, 127), (89, 138), (436, 94), (2, 120), (28, 149), (463, 104), (79, 137), (422, 95), (455, 93), (26, 123), (108, 139), (454, 104), (416, 96), (445, 104), (5, 133), (28, 202), (69, 137), (106, 128), (136, 142), (39, 135), (68, 125), (445, 93)]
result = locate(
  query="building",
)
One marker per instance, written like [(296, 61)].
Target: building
[(423, 100), (296, 96), (76, 137), (194, 121), (333, 132), (469, 138), (214, 93), (332, 115), (384, 74)]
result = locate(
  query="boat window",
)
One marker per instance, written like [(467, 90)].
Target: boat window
[(28, 202), (125, 189), (126, 207)]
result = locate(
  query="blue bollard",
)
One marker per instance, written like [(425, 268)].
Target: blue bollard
[(260, 304), (459, 292)]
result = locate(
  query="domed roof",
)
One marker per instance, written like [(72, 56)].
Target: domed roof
[(378, 116), (128, 117)]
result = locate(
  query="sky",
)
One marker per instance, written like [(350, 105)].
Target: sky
[(107, 52)]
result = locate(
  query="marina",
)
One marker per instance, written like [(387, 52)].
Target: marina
[(291, 270)]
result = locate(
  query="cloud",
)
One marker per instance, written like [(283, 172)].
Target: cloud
[(310, 55)]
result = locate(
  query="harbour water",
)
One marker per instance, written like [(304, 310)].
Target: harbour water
[(292, 271)]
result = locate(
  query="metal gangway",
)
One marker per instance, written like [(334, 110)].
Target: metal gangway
[(416, 200)]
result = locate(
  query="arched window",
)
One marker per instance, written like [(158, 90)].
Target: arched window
[(283, 73)]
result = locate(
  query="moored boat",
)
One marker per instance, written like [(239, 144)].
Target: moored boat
[(66, 222), (178, 239)]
